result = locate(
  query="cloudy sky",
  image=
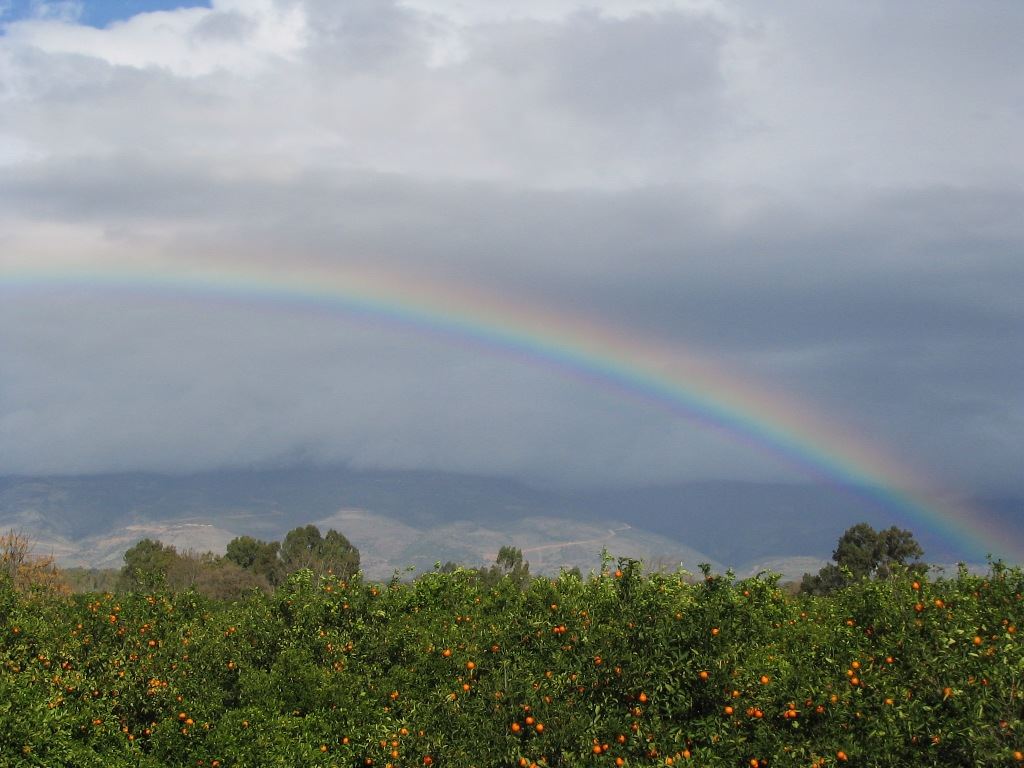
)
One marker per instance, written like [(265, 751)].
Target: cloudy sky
[(823, 199)]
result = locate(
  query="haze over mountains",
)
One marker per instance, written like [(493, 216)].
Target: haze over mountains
[(415, 519)]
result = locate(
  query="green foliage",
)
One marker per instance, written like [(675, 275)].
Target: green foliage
[(304, 547), (92, 579), (147, 564), (260, 557), (509, 564), (152, 565), (863, 553), (335, 671), (247, 565)]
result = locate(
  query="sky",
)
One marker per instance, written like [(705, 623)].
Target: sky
[(95, 13), (821, 201)]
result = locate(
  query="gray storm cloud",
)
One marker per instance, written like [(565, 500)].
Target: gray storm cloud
[(822, 198)]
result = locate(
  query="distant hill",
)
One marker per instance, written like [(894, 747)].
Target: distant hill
[(400, 519)]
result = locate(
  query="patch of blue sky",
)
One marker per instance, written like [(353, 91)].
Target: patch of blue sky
[(94, 13)]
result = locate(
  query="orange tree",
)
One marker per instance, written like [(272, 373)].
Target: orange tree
[(618, 669)]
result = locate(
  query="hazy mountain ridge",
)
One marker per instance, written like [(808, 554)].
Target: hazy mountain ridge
[(402, 519)]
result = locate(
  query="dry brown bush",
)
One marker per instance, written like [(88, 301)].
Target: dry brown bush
[(26, 570)]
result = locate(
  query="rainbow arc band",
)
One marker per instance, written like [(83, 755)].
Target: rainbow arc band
[(674, 379)]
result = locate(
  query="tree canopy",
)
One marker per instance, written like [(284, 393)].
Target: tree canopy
[(510, 563), (258, 556), (248, 563), (151, 563), (862, 553), (147, 564), (304, 547)]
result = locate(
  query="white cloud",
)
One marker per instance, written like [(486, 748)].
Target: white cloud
[(187, 42), (499, 11), (811, 192), (716, 95)]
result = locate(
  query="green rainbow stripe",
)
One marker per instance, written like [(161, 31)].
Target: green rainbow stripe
[(682, 383)]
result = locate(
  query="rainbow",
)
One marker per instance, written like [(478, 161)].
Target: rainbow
[(682, 383)]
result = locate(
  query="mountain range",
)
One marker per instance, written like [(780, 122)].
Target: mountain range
[(403, 520)]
